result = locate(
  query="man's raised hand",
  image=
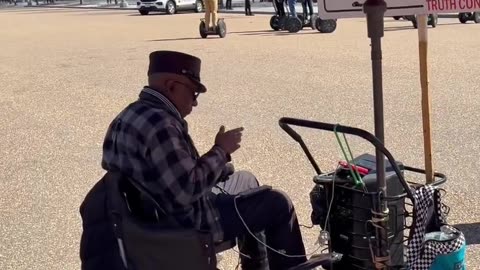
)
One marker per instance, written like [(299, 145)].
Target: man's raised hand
[(230, 140)]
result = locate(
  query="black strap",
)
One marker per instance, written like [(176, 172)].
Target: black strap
[(117, 201), (118, 210)]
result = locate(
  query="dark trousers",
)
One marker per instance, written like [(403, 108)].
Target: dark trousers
[(279, 6), (228, 4), (248, 8), (310, 7), (269, 215)]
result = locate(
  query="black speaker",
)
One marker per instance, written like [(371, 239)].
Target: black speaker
[(351, 206)]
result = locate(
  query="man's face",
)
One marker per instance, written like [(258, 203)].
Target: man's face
[(183, 93)]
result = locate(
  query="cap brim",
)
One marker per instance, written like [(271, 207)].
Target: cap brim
[(201, 87)]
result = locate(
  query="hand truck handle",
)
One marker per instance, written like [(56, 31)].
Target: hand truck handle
[(284, 123)]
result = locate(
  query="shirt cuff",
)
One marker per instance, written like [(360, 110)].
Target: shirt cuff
[(223, 153)]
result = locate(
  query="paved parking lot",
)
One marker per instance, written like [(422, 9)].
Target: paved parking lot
[(65, 73)]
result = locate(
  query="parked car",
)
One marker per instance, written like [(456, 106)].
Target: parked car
[(168, 6)]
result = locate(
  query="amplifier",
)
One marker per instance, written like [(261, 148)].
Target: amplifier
[(350, 232)]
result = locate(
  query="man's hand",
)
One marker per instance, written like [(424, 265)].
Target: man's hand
[(230, 140)]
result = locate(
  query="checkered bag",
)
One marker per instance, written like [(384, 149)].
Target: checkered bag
[(433, 244)]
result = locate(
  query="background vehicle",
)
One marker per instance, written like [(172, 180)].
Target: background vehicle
[(168, 6)]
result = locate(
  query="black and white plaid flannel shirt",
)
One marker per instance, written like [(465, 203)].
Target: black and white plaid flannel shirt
[(149, 142)]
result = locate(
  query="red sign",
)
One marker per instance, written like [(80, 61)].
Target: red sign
[(335, 9), (447, 6)]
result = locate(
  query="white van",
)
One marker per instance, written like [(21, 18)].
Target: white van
[(168, 6)]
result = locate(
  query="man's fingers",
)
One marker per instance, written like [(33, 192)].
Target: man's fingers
[(222, 129), (236, 130)]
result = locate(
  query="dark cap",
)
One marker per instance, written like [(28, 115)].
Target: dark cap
[(178, 63)]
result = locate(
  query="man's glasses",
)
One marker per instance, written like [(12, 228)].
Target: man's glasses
[(195, 95), (195, 92)]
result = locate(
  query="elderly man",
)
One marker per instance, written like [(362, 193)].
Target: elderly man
[(149, 142)]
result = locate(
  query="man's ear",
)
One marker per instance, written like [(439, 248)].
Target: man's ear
[(169, 86)]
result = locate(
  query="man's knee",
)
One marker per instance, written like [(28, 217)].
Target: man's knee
[(248, 179), (281, 201), (238, 182)]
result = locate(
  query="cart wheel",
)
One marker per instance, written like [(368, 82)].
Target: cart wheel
[(463, 17), (221, 28), (274, 23), (202, 29), (433, 18), (313, 21), (326, 26), (476, 17)]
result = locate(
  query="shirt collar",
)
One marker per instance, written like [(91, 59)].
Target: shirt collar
[(162, 99)]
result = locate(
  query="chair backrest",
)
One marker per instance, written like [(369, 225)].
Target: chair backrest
[(148, 245)]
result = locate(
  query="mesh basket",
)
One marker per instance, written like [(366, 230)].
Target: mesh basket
[(351, 231)]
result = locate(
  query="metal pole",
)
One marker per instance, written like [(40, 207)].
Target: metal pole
[(375, 10)]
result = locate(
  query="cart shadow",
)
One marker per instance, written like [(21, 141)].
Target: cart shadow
[(471, 232)]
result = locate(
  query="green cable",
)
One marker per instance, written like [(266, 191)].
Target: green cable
[(356, 176), (351, 155)]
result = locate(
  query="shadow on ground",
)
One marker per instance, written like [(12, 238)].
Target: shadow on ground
[(61, 10), (177, 39), (41, 10), (89, 13), (137, 14), (471, 232), (266, 33), (307, 31), (410, 27)]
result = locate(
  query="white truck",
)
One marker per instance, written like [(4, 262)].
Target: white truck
[(168, 6)]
